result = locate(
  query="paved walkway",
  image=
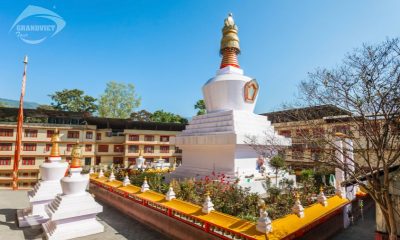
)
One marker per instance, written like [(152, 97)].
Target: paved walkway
[(361, 229), (117, 226)]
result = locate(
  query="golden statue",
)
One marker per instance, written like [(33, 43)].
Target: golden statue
[(230, 37), (76, 154), (55, 139)]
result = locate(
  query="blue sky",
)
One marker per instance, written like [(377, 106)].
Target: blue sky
[(169, 49)]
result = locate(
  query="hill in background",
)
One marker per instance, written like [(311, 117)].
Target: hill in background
[(15, 104)]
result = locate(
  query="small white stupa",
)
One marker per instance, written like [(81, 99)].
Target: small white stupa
[(218, 140), (73, 213), (46, 189), (140, 160)]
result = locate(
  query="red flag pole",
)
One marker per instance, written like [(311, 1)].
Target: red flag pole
[(20, 121)]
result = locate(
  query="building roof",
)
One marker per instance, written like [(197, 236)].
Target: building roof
[(306, 113), (82, 118)]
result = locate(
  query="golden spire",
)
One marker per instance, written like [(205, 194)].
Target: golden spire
[(229, 43), (55, 139), (230, 37), (321, 189), (76, 154), (140, 153)]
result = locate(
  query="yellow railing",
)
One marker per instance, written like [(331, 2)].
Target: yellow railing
[(220, 224)]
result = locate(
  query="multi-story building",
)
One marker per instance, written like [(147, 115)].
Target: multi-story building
[(310, 121), (103, 141)]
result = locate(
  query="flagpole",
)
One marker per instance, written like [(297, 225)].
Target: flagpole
[(20, 120)]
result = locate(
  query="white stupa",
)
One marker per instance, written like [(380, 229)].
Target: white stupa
[(217, 141), (73, 213), (140, 161), (46, 189)]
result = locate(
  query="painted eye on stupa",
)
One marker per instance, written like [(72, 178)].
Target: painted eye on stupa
[(250, 91)]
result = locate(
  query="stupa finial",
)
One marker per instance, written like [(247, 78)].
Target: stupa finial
[(229, 43), (76, 155), (55, 139), (140, 153)]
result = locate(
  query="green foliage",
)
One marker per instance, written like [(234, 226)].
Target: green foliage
[(157, 116), (73, 100), (2, 104), (277, 163), (167, 117), (201, 107), (45, 107), (142, 116), (118, 100), (227, 197)]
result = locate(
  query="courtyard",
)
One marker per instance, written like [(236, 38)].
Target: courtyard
[(117, 225)]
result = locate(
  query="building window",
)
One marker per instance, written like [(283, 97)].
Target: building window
[(88, 161), (131, 161), (29, 147), (164, 138), (318, 132), (118, 160), (6, 132), (98, 136), (73, 134), (342, 129), (69, 147), (316, 154), (285, 133), (133, 148), (5, 146), (149, 149), (48, 147), (133, 137), (109, 134), (5, 160), (164, 149), (103, 148), (31, 133), (50, 133), (88, 147), (89, 135), (149, 138), (178, 150), (28, 161), (303, 133), (98, 160), (118, 148), (297, 152), (149, 160)]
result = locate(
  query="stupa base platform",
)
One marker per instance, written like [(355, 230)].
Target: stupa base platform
[(76, 228), (27, 219), (72, 216), (42, 194)]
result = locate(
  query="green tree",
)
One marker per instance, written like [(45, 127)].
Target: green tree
[(73, 100), (45, 107), (277, 163), (201, 107), (118, 100), (2, 104), (167, 117), (142, 116)]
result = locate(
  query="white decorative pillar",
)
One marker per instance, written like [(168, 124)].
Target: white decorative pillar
[(298, 209), (208, 206), (264, 223), (322, 198), (101, 173), (46, 189), (91, 171), (126, 181), (73, 213), (112, 176), (170, 194), (145, 185)]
